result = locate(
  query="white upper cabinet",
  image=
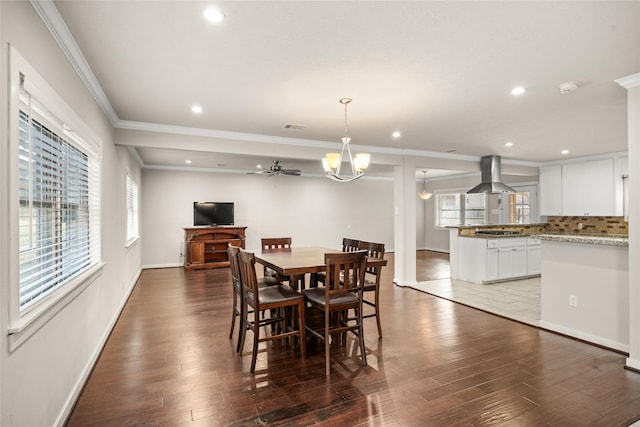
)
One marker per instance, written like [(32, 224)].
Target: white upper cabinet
[(588, 188), (551, 190), (621, 173)]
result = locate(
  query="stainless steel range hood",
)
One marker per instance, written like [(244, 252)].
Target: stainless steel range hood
[(491, 177)]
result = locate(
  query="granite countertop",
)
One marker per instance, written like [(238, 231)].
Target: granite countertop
[(511, 236), (585, 239), (489, 226)]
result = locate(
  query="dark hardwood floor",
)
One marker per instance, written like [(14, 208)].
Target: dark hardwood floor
[(169, 361)]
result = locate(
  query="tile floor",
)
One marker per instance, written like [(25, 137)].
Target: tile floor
[(518, 299)]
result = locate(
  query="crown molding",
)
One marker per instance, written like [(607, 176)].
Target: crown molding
[(52, 19), (630, 81)]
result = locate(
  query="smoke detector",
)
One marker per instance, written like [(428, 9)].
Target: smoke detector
[(568, 87)]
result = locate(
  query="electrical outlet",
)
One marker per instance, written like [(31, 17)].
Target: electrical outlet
[(580, 226), (573, 300)]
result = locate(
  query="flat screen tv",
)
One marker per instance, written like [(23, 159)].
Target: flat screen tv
[(212, 213)]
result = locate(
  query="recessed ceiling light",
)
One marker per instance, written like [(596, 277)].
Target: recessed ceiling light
[(214, 15), (509, 144), (187, 161), (564, 152), (196, 109), (259, 166), (518, 90), (396, 134)]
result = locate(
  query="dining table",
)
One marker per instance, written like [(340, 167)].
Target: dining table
[(296, 262)]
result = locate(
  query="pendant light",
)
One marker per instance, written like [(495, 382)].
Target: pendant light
[(424, 195), (333, 161)]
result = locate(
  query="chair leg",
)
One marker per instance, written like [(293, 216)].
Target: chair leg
[(327, 338), (378, 315), (234, 313), (242, 329), (303, 337), (256, 339), (242, 333), (361, 338)]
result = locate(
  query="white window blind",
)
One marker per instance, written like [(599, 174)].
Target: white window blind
[(59, 209), (132, 209)]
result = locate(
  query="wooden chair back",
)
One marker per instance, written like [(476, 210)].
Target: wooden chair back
[(276, 243), (344, 273), (247, 263), (374, 250), (232, 252), (349, 245)]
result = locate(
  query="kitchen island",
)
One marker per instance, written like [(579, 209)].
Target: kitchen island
[(488, 254), (585, 287)]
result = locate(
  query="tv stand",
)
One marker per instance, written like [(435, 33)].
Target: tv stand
[(206, 247)]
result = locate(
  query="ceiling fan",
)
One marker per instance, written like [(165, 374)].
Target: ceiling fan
[(276, 169)]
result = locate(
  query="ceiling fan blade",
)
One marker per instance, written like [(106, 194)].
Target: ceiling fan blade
[(292, 172), (267, 172)]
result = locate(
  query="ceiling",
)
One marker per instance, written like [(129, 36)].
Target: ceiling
[(441, 73)]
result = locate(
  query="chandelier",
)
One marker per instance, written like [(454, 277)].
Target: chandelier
[(333, 161), (424, 195)]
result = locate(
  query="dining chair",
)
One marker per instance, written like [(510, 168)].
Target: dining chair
[(275, 243), (270, 299), (342, 292), (236, 280), (372, 280), (348, 245)]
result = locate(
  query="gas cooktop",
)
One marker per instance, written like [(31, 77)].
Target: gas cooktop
[(497, 233)]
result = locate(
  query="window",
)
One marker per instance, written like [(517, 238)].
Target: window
[(132, 210), (58, 209), (460, 209), (448, 207), (519, 210)]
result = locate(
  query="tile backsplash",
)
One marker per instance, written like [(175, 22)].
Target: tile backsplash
[(612, 225)]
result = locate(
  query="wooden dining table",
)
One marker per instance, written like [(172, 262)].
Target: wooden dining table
[(296, 262)]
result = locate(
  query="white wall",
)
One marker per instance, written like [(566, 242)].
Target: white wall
[(41, 379), (312, 210), (598, 276)]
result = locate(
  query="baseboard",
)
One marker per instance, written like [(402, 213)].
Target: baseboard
[(170, 265), (603, 342), (86, 372), (633, 364), (442, 251)]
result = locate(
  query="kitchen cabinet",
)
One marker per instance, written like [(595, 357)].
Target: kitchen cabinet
[(551, 190), (481, 260), (512, 262), (621, 174), (588, 188), (534, 257), (492, 264)]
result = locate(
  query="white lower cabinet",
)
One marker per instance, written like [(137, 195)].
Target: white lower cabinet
[(512, 262), (486, 260), (534, 259), (492, 264)]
